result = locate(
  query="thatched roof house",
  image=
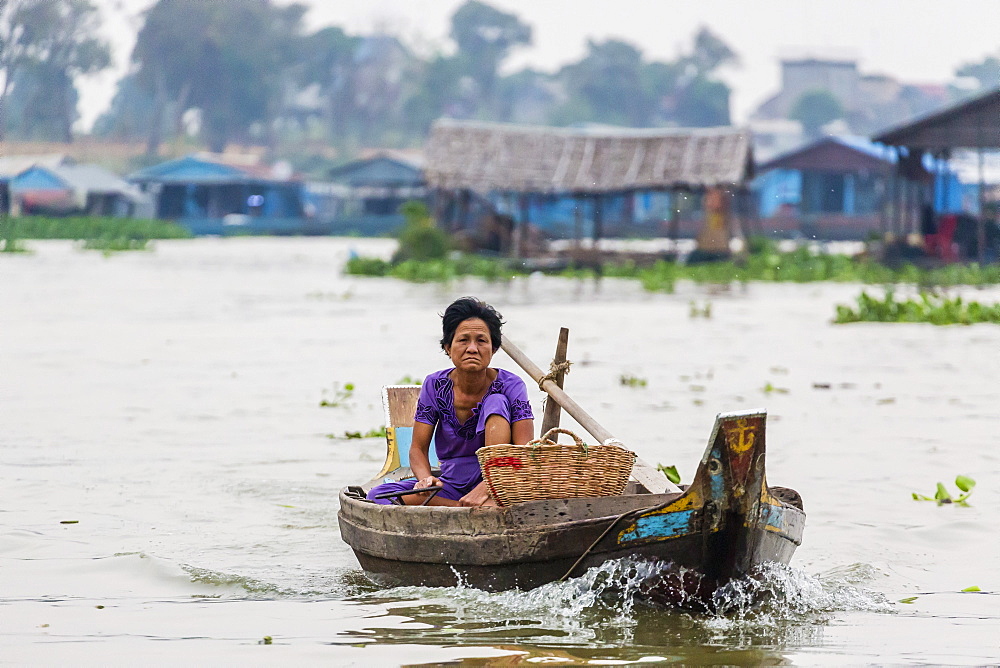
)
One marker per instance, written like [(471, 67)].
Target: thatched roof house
[(508, 158)]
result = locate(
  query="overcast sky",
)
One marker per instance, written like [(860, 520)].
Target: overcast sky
[(915, 41)]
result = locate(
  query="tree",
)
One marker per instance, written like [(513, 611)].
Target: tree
[(44, 46), (606, 86), (614, 84), (698, 99), (229, 60), (485, 36), (702, 103), (710, 53), (327, 61), (132, 111), (814, 109)]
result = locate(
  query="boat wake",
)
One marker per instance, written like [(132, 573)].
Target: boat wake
[(612, 603)]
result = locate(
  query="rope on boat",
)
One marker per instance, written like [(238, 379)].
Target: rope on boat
[(606, 531), (554, 370)]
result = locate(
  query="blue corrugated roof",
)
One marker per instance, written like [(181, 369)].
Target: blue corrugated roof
[(190, 170), (378, 171)]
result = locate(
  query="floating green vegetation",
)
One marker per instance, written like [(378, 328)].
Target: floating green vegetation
[(942, 496), (440, 270), (371, 433), (695, 311), (420, 238), (928, 307), (671, 473), (770, 388), (339, 396), (105, 234), (628, 380), (97, 227), (9, 236), (409, 380), (427, 258)]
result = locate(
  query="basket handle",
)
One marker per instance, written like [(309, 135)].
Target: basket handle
[(545, 440)]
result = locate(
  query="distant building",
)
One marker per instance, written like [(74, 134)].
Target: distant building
[(870, 101), (75, 189), (499, 186), (836, 188), (372, 191), (12, 165), (54, 184), (209, 195)]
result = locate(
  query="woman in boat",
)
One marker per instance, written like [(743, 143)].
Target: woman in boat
[(471, 405)]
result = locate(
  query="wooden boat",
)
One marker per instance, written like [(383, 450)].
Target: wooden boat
[(723, 526)]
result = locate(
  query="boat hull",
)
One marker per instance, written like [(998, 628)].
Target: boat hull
[(724, 525)]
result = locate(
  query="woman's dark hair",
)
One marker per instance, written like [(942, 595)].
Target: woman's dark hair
[(464, 308)]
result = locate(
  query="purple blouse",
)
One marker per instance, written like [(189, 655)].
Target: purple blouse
[(506, 396)]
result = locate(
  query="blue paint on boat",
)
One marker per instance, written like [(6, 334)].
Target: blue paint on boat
[(663, 525)]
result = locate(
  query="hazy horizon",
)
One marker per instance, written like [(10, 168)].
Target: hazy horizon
[(923, 45)]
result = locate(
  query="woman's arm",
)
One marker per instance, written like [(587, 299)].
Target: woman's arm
[(522, 431), (420, 462)]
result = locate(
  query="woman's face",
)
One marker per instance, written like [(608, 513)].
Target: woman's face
[(471, 348)]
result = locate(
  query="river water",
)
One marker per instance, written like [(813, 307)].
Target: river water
[(168, 477)]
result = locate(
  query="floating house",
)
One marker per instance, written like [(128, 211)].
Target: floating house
[(372, 190), (834, 188), (840, 188), (68, 189), (209, 195), (12, 165), (498, 185), (970, 128)]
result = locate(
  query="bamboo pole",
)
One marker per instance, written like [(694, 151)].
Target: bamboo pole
[(647, 475), (553, 410)]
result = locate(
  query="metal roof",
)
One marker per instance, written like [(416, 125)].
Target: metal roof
[(201, 169), (974, 123), (834, 154), (86, 178), (377, 171), (93, 178), (495, 157), (12, 165)]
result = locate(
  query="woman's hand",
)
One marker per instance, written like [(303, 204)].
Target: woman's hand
[(429, 481), (479, 496)]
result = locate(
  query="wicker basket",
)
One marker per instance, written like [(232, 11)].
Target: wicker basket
[(543, 469)]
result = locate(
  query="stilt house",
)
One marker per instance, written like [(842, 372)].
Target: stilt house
[(501, 185)]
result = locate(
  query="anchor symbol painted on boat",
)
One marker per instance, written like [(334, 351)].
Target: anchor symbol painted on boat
[(741, 437)]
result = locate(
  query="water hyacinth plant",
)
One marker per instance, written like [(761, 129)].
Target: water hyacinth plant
[(671, 473), (629, 380), (341, 394), (928, 307), (429, 260), (942, 496)]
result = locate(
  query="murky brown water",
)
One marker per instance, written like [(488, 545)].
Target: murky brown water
[(167, 405)]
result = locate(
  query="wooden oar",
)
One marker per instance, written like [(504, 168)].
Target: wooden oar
[(650, 478)]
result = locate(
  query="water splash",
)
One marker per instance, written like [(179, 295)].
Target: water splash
[(613, 604), (777, 592)]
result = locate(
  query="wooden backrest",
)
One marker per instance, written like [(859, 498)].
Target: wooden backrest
[(400, 404)]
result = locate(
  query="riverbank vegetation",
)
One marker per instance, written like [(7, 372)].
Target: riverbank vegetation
[(430, 258), (929, 307), (95, 232)]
